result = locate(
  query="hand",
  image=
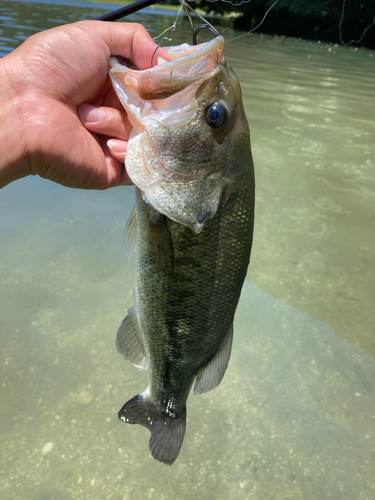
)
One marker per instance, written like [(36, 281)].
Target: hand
[(44, 82), (108, 122)]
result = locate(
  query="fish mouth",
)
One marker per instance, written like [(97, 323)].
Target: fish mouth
[(188, 65)]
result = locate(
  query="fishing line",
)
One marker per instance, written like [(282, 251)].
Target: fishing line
[(235, 5), (172, 28), (256, 27), (340, 27), (140, 4), (265, 15), (227, 1), (189, 11)]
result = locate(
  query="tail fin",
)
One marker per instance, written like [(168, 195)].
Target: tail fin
[(167, 432)]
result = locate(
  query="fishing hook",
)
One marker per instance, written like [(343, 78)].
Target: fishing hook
[(202, 27), (189, 10), (172, 28)]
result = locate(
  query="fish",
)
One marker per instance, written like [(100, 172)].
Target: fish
[(190, 159)]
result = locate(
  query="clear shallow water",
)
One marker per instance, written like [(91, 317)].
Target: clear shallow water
[(295, 415)]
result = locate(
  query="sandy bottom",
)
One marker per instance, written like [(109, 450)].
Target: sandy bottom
[(294, 417)]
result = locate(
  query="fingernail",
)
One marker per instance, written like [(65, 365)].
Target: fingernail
[(90, 113), (117, 146)]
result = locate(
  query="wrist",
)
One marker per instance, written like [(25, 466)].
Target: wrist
[(14, 162)]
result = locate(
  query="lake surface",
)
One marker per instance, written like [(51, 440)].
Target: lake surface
[(294, 417)]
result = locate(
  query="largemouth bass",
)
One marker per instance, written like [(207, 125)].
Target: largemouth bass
[(192, 226)]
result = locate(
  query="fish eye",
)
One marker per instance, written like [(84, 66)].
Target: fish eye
[(215, 115)]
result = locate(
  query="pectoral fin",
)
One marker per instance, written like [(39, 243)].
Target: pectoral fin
[(211, 374), (130, 234), (129, 342)]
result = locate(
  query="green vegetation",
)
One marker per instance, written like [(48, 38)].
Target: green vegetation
[(313, 19)]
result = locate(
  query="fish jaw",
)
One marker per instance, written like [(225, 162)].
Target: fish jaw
[(179, 162), (189, 64)]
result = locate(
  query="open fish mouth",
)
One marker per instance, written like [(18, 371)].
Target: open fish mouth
[(189, 64)]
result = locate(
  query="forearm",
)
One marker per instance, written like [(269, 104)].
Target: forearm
[(13, 156)]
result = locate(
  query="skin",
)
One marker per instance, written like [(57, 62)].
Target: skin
[(63, 119)]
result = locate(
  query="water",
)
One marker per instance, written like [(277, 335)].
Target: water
[(294, 417)]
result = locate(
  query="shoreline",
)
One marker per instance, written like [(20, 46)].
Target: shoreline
[(171, 10), (159, 5)]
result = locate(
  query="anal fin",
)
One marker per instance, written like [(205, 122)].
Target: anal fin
[(211, 374), (129, 342)]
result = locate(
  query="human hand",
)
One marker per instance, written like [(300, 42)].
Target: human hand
[(44, 82), (106, 122)]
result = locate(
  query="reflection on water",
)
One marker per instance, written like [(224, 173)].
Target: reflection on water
[(312, 128), (295, 414)]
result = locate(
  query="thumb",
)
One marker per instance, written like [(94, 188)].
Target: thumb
[(129, 40)]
